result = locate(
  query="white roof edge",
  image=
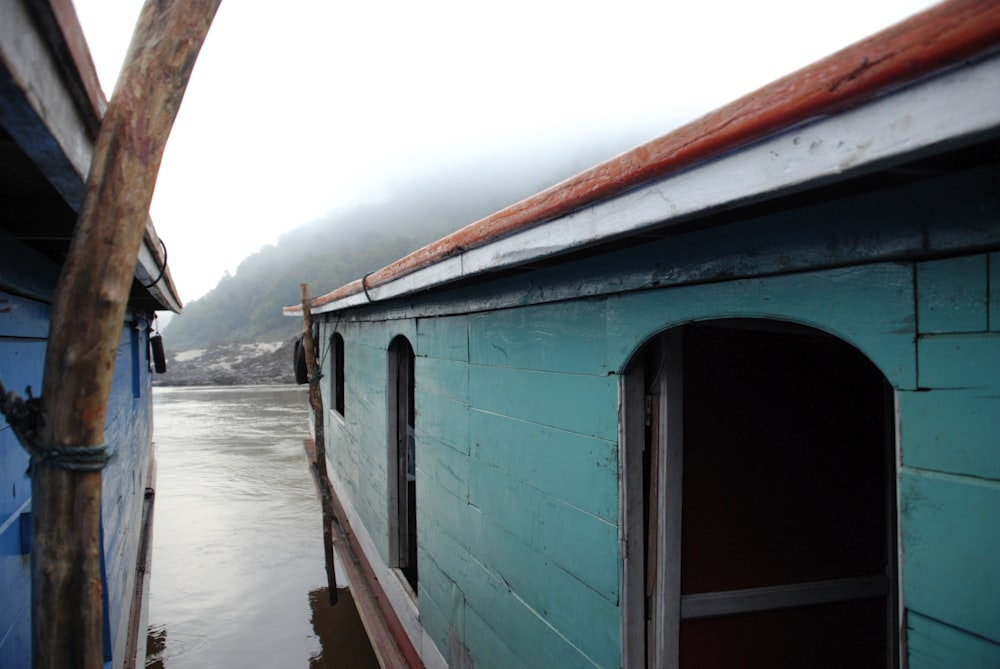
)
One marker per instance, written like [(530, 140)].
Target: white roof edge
[(945, 108)]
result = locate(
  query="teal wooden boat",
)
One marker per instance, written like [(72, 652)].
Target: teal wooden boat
[(50, 108), (729, 399)]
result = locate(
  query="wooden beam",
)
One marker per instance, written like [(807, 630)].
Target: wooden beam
[(316, 402), (87, 316)]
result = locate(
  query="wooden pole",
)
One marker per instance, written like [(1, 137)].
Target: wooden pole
[(87, 316), (316, 402)]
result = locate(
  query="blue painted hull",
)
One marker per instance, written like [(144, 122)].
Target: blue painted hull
[(127, 481), (50, 108)]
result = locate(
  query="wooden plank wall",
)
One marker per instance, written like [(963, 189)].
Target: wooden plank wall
[(517, 420), (23, 331), (128, 431), (950, 476)]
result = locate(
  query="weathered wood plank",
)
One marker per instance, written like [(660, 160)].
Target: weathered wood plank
[(579, 470), (950, 532), (959, 360), (443, 419), (493, 612), (952, 295), (23, 319), (445, 338), (933, 645), (994, 305), (433, 620), (25, 271), (869, 307), (586, 618), (443, 378), (952, 431), (441, 468), (586, 405), (578, 542), (22, 365), (128, 431), (481, 637), (564, 337)]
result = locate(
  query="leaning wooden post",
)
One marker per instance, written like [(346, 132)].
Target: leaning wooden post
[(87, 315), (316, 402)]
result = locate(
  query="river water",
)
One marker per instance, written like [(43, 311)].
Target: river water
[(238, 578)]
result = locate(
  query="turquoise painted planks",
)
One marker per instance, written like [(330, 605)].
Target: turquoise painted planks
[(933, 645), (444, 338), (959, 360), (994, 301), (563, 337), (582, 471), (576, 403), (487, 649), (443, 419), (432, 618), (580, 543), (952, 295), (441, 466), (950, 531), (441, 377), (869, 307), (585, 618), (503, 615), (953, 431)]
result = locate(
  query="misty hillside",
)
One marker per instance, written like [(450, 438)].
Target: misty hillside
[(331, 252)]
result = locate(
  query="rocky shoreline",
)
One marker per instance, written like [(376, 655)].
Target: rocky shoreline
[(259, 363)]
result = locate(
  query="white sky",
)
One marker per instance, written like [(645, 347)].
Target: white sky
[(302, 107)]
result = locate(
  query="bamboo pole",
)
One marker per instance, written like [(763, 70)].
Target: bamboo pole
[(87, 316), (316, 402)]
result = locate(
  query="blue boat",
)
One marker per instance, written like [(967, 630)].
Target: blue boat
[(730, 399), (51, 106)]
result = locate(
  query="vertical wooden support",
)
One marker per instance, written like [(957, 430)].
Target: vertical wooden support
[(87, 315), (669, 498), (316, 402)]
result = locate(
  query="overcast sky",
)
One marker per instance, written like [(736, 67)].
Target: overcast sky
[(303, 107)]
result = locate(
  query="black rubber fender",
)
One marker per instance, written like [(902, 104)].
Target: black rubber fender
[(159, 358), (301, 370)]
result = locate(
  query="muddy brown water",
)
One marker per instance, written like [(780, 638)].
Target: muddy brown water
[(238, 578)]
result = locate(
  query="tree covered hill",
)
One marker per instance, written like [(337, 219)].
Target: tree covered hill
[(328, 253)]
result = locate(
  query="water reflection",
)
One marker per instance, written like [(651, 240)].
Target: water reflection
[(237, 537), (341, 635), (156, 645)]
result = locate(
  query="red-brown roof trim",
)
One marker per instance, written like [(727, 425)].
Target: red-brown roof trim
[(935, 39)]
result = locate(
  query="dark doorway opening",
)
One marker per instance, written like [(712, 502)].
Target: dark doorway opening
[(402, 459), (768, 478)]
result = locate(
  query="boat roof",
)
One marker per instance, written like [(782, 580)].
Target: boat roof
[(51, 106), (885, 99)]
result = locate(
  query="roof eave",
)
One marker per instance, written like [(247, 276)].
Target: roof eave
[(54, 109), (882, 66)]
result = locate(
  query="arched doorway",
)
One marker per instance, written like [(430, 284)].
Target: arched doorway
[(402, 467), (759, 499)]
